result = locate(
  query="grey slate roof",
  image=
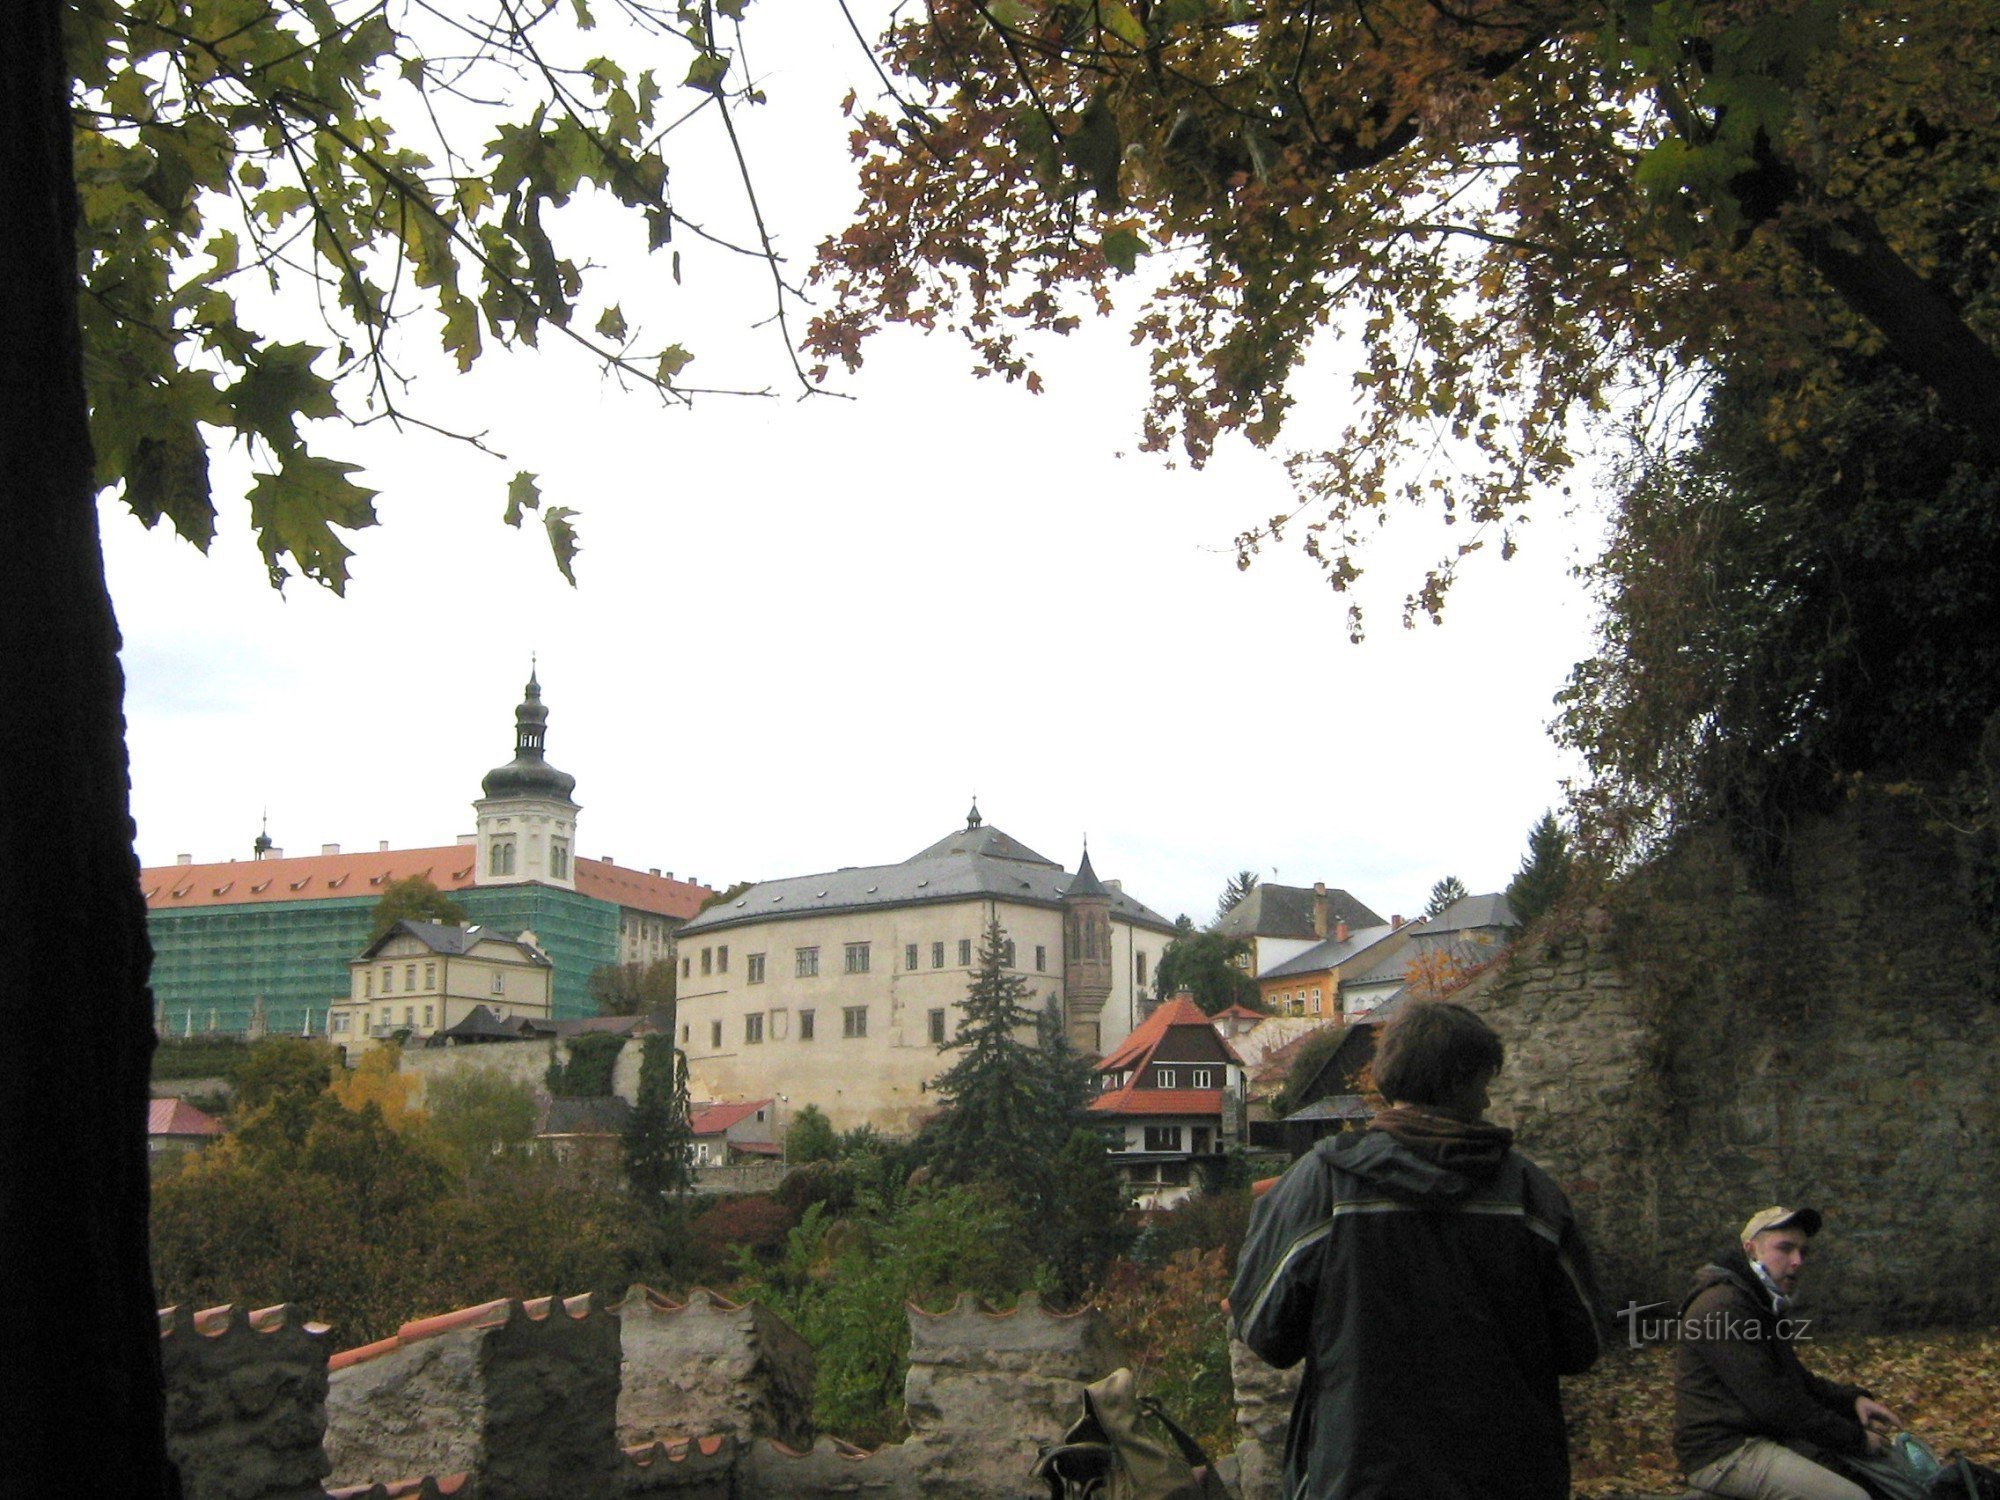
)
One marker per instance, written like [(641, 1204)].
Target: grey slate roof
[(969, 864), (1334, 1107), (1489, 910), (442, 937), (1286, 911), (1333, 951)]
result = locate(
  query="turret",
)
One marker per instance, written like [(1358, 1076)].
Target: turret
[(527, 815), (1086, 906)]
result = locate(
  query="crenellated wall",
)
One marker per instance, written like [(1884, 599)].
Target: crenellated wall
[(522, 1401)]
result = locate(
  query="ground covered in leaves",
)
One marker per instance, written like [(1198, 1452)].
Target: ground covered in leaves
[(1945, 1385)]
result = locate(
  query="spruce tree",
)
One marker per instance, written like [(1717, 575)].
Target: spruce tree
[(656, 1136), (1446, 891), (1544, 875), (996, 1095)]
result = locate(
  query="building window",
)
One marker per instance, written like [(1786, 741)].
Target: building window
[(805, 963), (707, 961), (388, 979), (409, 1015), (937, 955), (1042, 960), (753, 1028), (499, 981), (1163, 1078), (1315, 1000), (559, 859), (805, 1025), (340, 1020), (409, 977), (685, 1028), (909, 955), (501, 860), (857, 958), (722, 959), (1201, 1078), (854, 1020), (429, 1010), (1142, 969), (1163, 1138), (937, 1028), (430, 976), (756, 967), (1007, 954), (965, 953), (715, 1036), (368, 985)]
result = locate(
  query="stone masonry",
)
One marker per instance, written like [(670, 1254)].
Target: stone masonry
[(710, 1366), (1723, 1040), (244, 1395)]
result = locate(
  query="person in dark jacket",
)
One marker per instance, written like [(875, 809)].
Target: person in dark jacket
[(1433, 1281), (1750, 1420)]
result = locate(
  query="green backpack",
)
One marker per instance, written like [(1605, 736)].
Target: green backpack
[(1124, 1447)]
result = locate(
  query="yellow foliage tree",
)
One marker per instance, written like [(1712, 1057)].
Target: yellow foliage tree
[(380, 1081)]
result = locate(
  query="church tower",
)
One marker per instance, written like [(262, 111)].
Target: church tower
[(1086, 908), (527, 815)]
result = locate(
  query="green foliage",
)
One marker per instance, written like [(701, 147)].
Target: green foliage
[(1780, 618), (1544, 875), (1446, 891), (1168, 1318), (588, 1070), (810, 1137), (843, 1284), (279, 1083), (635, 988), (657, 1137), (198, 1057), (1210, 967), (723, 898), (365, 155), (475, 1114), (997, 1099), (414, 899)]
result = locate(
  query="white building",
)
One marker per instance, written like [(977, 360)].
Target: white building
[(838, 989)]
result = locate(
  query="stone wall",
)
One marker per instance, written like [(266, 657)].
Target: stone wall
[(1723, 1040), (244, 1394), (710, 1366), (522, 1062)]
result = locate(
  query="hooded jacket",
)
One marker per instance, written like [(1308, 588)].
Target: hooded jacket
[(1736, 1375), (1433, 1281)]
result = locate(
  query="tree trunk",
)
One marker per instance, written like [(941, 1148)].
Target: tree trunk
[(80, 1402)]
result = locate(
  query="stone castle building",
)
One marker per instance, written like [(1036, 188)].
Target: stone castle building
[(838, 989)]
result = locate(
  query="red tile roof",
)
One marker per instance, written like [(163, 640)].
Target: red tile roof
[(1179, 1102), (315, 877), (1239, 1013), (1179, 1011), (713, 1119), (485, 1315), (178, 1117)]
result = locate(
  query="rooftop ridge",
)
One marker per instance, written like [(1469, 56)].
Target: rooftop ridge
[(495, 1314), (233, 1319)]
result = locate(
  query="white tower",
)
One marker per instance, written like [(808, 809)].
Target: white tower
[(527, 817)]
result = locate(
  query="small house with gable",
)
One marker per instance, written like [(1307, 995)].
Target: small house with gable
[(1168, 1098)]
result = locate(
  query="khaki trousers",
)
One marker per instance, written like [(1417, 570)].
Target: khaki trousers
[(1765, 1470)]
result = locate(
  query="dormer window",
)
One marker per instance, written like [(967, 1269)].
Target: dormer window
[(1163, 1078)]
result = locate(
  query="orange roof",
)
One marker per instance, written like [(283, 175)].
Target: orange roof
[(1137, 1101), (713, 1119), (178, 1117), (315, 877), (1179, 1011), (640, 889), (1239, 1013), (486, 1315)]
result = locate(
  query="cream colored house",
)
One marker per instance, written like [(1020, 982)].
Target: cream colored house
[(838, 989), (422, 977)]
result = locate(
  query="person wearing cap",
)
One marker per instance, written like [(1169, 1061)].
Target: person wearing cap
[(1750, 1421), (1433, 1281)]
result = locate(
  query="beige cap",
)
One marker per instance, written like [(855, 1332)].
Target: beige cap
[(1768, 1219)]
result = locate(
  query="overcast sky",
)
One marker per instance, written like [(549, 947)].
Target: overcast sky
[(806, 633)]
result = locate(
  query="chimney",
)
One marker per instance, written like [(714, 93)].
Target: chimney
[(607, 859), (670, 874), (1340, 932), (274, 852), (654, 870), (183, 859), (467, 840), (1319, 908), (1116, 885), (381, 846), (1395, 921), (329, 848)]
